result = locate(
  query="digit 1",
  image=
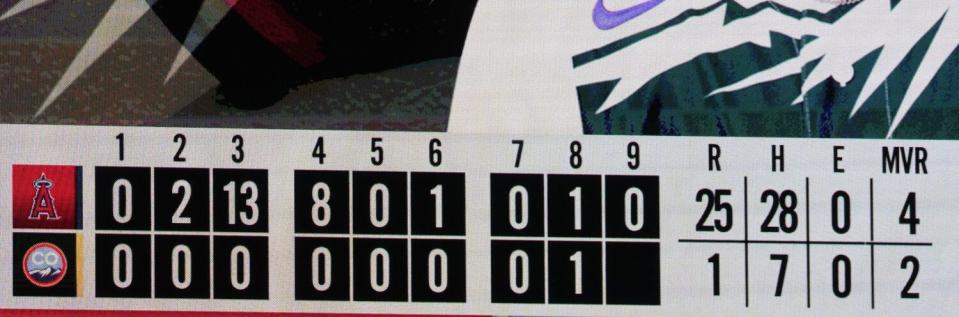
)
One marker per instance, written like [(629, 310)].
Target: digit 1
[(715, 261), (437, 193), (577, 259), (577, 195), (120, 140)]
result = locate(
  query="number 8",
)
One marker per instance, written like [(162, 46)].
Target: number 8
[(321, 204)]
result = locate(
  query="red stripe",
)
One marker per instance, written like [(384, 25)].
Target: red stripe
[(125, 313), (271, 21)]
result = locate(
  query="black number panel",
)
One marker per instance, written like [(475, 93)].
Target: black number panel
[(123, 265), (182, 197), (632, 206), (321, 201), (240, 200), (516, 205), (575, 205), (632, 273), (122, 198), (241, 267), (575, 272), (517, 272), (379, 202), (323, 268), (182, 266), (439, 270), (438, 203), (379, 270)]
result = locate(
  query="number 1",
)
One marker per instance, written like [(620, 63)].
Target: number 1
[(577, 195), (437, 193), (715, 261), (120, 139), (577, 259)]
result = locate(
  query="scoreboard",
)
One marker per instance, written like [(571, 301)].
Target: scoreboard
[(221, 220)]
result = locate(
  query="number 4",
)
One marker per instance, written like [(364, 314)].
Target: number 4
[(908, 214), (318, 152)]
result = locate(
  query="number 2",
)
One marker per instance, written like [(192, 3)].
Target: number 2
[(187, 190), (907, 290), (181, 139)]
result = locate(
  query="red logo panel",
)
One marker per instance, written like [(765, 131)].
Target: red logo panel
[(47, 197)]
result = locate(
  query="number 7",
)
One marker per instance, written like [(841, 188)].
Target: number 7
[(519, 152), (783, 260)]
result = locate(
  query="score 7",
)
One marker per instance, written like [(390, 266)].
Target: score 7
[(714, 203)]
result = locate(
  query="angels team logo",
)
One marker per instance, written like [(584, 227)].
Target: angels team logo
[(47, 197), (43, 202), (44, 264)]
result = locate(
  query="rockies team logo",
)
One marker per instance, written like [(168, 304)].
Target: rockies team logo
[(44, 264)]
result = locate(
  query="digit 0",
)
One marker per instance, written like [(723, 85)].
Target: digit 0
[(322, 254), (380, 261), (519, 272), (438, 270), (122, 190), (122, 252), (181, 277)]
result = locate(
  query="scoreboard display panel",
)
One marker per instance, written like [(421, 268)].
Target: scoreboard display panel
[(478, 157)]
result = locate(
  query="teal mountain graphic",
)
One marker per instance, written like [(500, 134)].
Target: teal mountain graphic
[(740, 91)]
